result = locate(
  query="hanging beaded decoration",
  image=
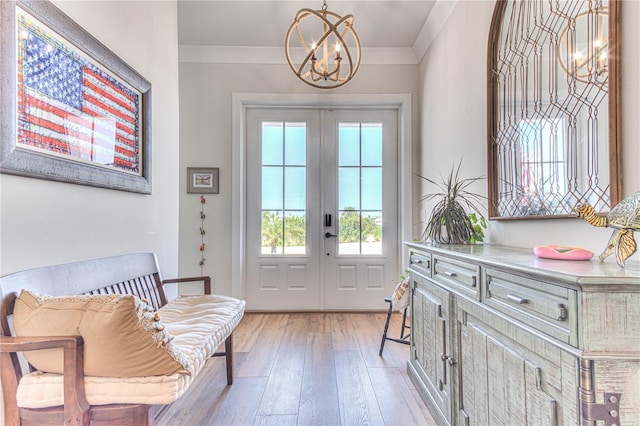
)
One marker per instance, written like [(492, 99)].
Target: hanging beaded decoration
[(202, 233)]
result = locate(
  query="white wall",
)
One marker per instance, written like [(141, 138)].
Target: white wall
[(45, 222), (205, 141), (453, 121)]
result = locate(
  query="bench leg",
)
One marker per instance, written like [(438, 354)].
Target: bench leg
[(228, 348)]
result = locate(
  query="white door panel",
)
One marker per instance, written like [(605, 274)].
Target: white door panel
[(283, 210), (360, 175)]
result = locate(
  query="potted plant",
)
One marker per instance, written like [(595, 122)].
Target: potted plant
[(450, 222)]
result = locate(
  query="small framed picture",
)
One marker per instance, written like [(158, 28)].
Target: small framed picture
[(203, 180)]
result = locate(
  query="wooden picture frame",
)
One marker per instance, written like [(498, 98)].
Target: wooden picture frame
[(203, 180), (86, 120)]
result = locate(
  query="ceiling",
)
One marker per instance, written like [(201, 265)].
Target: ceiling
[(392, 24)]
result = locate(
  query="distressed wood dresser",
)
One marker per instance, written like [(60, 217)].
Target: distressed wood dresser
[(500, 336)]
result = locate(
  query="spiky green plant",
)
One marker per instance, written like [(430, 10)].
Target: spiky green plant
[(450, 214)]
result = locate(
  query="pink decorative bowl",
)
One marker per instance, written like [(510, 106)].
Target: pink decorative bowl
[(562, 253)]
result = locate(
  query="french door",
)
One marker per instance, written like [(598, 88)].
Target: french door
[(322, 220)]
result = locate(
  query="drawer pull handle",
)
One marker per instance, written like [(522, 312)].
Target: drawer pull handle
[(516, 299), (564, 312), (449, 360), (418, 261), (450, 274)]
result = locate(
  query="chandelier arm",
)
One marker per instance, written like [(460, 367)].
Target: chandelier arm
[(295, 25), (309, 52), (303, 13), (301, 39), (349, 28), (348, 51)]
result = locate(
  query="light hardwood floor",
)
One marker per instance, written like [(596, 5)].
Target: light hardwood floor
[(306, 369)]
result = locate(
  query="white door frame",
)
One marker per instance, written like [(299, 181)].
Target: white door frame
[(242, 101)]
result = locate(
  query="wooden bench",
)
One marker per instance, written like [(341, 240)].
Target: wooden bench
[(133, 274)]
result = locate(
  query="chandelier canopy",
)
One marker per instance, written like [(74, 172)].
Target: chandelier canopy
[(328, 54)]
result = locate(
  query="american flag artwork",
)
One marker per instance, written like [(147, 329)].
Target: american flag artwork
[(71, 107)]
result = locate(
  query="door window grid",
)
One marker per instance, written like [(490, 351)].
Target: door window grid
[(283, 205), (360, 188)]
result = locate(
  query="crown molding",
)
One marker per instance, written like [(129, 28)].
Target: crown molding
[(432, 26), (370, 56), (276, 55)]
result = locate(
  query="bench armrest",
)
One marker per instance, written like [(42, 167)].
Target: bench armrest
[(22, 344), (206, 281), (76, 407)]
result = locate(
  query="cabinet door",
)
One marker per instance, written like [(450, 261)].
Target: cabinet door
[(497, 384), (430, 342)]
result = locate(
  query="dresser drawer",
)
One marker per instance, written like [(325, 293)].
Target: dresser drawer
[(459, 276), (546, 307), (421, 263)]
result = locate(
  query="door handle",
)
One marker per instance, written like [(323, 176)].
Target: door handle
[(329, 235)]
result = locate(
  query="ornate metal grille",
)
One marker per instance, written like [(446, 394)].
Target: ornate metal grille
[(549, 95)]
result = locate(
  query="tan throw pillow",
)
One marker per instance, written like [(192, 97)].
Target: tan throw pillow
[(122, 335)]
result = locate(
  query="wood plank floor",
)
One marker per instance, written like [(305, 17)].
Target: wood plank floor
[(306, 369)]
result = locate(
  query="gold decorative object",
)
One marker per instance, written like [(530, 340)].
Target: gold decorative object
[(329, 51), (624, 219)]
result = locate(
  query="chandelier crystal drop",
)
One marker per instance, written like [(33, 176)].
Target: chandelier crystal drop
[(328, 53)]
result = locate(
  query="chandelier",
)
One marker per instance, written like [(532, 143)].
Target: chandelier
[(328, 54), (583, 46)]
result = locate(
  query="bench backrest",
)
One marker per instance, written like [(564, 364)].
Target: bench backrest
[(136, 274)]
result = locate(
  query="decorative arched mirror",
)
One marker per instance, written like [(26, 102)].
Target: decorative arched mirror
[(553, 107)]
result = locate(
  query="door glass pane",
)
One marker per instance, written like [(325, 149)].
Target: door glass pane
[(295, 189), (284, 192), (295, 144), (272, 143), (360, 188), (349, 146), (272, 232), (372, 232), (348, 188), (295, 234), (372, 188), (371, 144), (272, 188), (349, 234)]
